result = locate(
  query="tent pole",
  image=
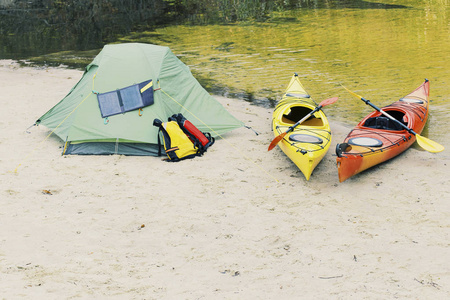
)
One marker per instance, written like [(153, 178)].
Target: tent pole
[(65, 146)]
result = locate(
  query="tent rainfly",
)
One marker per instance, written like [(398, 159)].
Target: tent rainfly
[(112, 108)]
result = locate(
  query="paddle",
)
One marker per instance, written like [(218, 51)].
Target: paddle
[(278, 138), (425, 143)]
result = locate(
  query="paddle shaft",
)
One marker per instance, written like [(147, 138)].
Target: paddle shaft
[(427, 144), (279, 137), (304, 118), (388, 115)]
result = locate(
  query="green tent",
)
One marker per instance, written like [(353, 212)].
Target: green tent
[(112, 108)]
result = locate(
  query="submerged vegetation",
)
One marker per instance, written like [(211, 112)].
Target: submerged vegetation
[(51, 25)]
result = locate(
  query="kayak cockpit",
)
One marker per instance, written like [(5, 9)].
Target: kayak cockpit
[(296, 113), (382, 122)]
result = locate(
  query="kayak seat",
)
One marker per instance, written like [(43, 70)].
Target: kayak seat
[(382, 122), (297, 113)]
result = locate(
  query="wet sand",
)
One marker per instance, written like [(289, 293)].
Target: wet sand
[(237, 223)]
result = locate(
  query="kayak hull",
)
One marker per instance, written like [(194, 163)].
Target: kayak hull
[(377, 139), (307, 143)]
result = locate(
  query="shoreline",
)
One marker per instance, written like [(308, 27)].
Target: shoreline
[(216, 226)]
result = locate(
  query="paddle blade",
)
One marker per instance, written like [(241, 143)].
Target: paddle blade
[(429, 145), (276, 140), (328, 101)]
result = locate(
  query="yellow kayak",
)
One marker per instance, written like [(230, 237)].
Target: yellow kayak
[(308, 142)]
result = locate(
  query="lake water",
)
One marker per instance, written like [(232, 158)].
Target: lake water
[(381, 53)]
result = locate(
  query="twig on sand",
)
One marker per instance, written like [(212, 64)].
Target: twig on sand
[(432, 283), (330, 277)]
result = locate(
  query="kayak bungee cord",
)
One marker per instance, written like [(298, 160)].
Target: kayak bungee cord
[(425, 143)]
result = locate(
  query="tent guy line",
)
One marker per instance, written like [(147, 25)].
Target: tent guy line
[(50, 134), (123, 73), (129, 77), (93, 91), (228, 142)]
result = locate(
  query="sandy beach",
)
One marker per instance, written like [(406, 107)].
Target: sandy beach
[(237, 223)]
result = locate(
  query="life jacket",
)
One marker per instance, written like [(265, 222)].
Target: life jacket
[(181, 139)]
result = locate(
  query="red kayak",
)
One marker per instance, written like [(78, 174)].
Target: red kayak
[(377, 138)]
